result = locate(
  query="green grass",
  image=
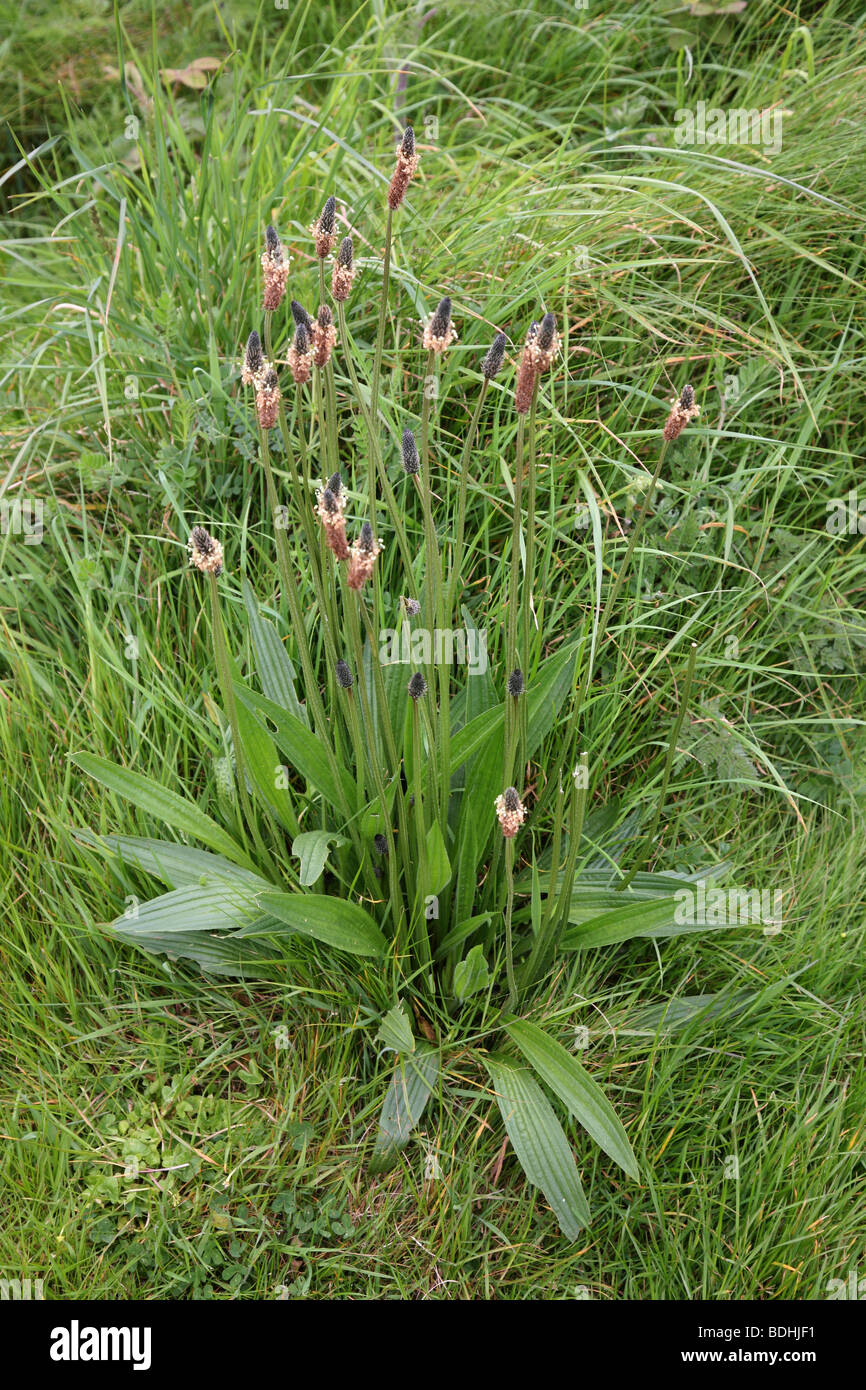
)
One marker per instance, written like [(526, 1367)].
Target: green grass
[(554, 154)]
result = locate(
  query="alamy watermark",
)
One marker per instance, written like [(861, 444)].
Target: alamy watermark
[(22, 1290), (702, 906), (442, 647), (22, 517), (733, 125), (846, 516)]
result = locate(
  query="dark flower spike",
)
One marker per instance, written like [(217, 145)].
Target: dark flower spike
[(441, 320), (380, 844), (407, 164), (345, 679), (329, 501), (273, 243), (546, 343), (439, 332), (362, 558), (324, 229), (546, 333), (494, 357), (510, 812), (204, 552), (410, 453), (335, 484), (300, 315), (255, 356), (268, 397), (344, 271), (516, 685), (275, 266), (683, 411), (299, 355), (324, 336), (417, 686), (253, 364)]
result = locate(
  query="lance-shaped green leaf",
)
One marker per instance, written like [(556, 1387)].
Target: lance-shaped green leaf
[(168, 860), (217, 955), (622, 924), (273, 664), (264, 768), (303, 750), (438, 863), (331, 920), (539, 1141), (167, 806), (213, 907), (582, 1096), (408, 1092)]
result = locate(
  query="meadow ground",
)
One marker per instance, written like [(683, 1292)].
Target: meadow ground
[(173, 1135)]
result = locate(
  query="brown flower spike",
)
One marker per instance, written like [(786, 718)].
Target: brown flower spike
[(439, 333), (324, 336), (275, 264), (527, 373), (300, 356), (683, 411), (407, 165), (324, 229), (344, 271), (540, 349), (362, 557), (268, 397), (330, 502), (510, 811), (204, 552)]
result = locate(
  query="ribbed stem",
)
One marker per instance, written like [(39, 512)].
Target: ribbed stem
[(457, 561), (223, 664), (383, 313), (669, 762), (509, 910), (376, 455)]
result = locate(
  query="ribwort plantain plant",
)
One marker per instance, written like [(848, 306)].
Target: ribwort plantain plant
[(383, 807)]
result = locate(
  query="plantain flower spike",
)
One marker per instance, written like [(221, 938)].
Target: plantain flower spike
[(268, 397), (405, 170), (362, 558), (324, 230), (300, 355), (330, 505), (683, 411), (275, 265), (417, 686), (344, 271), (205, 553), (494, 357), (324, 336), (510, 812), (255, 364), (439, 333), (411, 463)]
